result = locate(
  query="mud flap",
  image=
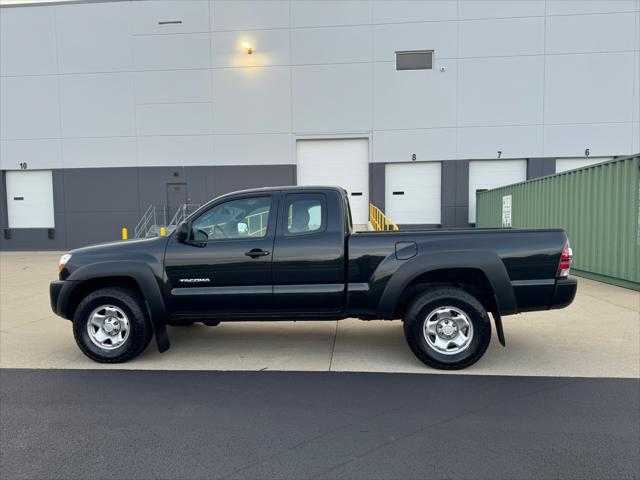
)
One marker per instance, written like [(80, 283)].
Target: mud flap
[(497, 319), (160, 331)]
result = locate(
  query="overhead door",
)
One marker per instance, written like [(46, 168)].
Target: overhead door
[(30, 199), (564, 164), (343, 163), (412, 192), (487, 174)]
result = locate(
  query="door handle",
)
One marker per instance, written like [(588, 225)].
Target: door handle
[(256, 252)]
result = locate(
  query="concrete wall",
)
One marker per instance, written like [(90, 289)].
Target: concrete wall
[(93, 204), (102, 84)]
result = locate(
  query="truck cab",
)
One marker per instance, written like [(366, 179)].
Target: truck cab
[(265, 253)]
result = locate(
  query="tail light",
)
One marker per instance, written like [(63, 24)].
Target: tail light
[(565, 261)]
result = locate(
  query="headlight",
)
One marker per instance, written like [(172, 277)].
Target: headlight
[(63, 261)]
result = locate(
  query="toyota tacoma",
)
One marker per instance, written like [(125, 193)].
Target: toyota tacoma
[(290, 253)]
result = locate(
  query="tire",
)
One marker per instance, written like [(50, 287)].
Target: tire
[(130, 328), (437, 323)]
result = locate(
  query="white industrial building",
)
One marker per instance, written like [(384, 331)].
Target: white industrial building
[(108, 107)]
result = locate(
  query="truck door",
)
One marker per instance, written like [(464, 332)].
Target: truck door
[(309, 257), (225, 267)]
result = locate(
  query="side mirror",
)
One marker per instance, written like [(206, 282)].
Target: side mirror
[(182, 233)]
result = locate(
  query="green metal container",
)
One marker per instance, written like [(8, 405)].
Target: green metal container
[(598, 206)]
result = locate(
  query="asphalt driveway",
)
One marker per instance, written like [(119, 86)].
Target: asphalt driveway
[(284, 425)]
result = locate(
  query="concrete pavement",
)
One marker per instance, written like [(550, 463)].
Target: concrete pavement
[(597, 336)]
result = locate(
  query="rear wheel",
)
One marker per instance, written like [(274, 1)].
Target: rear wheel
[(110, 325), (447, 328)]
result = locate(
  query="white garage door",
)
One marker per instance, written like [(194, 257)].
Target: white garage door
[(30, 199), (344, 163), (564, 164), (412, 192), (487, 174)]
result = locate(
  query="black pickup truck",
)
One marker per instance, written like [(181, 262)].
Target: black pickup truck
[(290, 253)]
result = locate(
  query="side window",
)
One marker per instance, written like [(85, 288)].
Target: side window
[(305, 213), (241, 218)]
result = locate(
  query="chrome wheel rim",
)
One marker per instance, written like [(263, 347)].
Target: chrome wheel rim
[(448, 330), (108, 327)]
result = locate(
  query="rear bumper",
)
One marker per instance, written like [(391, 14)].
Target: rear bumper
[(544, 294), (564, 292)]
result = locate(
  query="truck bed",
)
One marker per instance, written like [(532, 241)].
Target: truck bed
[(529, 257)]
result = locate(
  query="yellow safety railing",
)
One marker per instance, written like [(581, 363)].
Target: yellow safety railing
[(257, 227), (379, 220)]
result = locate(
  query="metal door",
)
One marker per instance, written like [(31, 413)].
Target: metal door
[(176, 197)]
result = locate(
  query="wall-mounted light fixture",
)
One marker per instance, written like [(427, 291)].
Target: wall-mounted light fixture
[(247, 47)]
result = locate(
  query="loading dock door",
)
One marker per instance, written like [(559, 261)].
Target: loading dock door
[(412, 192), (30, 199), (340, 162), (564, 164), (486, 174)]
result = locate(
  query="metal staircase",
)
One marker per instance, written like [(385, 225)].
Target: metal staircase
[(155, 218), (149, 224), (183, 212)]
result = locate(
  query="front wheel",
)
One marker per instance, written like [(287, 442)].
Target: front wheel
[(110, 325), (447, 328)]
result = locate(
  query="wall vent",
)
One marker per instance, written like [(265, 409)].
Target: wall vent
[(414, 60)]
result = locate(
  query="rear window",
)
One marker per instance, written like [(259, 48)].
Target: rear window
[(304, 214)]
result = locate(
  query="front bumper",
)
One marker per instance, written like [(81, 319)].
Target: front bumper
[(55, 290), (564, 292)]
